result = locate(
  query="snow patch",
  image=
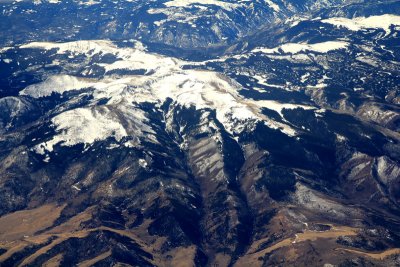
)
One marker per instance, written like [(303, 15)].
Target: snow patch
[(143, 163), (274, 6), (84, 125), (359, 23), (278, 107), (58, 84)]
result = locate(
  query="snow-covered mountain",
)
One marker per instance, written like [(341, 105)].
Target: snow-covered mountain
[(183, 24), (200, 133)]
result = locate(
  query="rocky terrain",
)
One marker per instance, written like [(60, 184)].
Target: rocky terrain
[(200, 133)]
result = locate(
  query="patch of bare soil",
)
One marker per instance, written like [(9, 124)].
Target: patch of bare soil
[(25, 223)]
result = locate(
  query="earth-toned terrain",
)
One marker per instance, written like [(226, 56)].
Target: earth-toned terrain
[(200, 133)]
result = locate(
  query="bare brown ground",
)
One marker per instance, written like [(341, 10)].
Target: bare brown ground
[(24, 223), (251, 258), (93, 261), (18, 231), (374, 255), (181, 257), (15, 237), (61, 238), (54, 262)]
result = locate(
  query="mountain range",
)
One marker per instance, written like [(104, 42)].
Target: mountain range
[(200, 133)]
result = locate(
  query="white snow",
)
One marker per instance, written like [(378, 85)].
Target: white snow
[(76, 188), (58, 84), (89, 2), (262, 81), (317, 86), (278, 107), (143, 163), (273, 5), (84, 125), (46, 159), (294, 48), (388, 170), (380, 22), (5, 49), (305, 77), (81, 47)]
